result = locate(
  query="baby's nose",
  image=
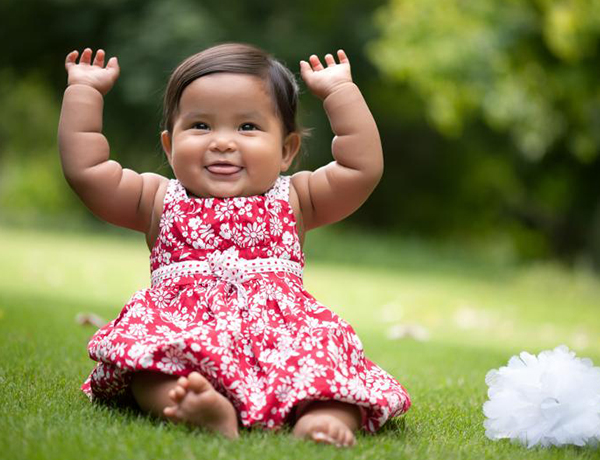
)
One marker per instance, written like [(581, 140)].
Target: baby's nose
[(222, 142)]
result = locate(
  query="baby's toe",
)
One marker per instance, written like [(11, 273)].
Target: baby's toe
[(337, 434), (177, 394), (198, 383), (348, 439), (322, 438), (172, 413), (332, 433)]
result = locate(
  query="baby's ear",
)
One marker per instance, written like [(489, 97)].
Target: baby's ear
[(291, 147), (165, 140)]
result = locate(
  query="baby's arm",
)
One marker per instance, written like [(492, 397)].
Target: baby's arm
[(338, 189), (120, 196)]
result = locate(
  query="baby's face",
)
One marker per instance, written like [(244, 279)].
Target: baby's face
[(227, 139)]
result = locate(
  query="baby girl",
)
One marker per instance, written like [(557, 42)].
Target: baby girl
[(227, 335)]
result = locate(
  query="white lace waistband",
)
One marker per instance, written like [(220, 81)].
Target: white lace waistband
[(229, 268)]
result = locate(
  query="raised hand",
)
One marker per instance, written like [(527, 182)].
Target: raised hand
[(323, 81), (94, 74)]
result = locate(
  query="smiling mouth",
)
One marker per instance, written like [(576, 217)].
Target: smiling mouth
[(224, 169)]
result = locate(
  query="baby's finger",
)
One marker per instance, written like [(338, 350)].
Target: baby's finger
[(342, 57), (71, 59), (329, 60), (315, 62), (86, 56), (99, 59), (113, 63), (305, 69), (113, 67)]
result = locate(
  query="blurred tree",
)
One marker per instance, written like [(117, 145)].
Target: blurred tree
[(523, 67), (481, 69), (30, 176)]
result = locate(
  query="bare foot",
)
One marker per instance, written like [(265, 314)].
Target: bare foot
[(198, 403), (329, 423)]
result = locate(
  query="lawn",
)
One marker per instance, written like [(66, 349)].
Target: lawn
[(471, 313)]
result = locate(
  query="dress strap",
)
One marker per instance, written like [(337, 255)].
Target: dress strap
[(281, 189), (175, 192)]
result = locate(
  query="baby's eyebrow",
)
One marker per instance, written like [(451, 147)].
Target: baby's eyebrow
[(195, 114), (249, 115), (252, 115)]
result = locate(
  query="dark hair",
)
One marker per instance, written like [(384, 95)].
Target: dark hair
[(235, 58)]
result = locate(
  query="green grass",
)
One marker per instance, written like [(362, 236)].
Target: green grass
[(477, 310)]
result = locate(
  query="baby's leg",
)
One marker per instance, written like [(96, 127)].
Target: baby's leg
[(330, 422), (192, 400)]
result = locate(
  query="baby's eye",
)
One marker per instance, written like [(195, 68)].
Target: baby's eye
[(248, 127), (202, 126)]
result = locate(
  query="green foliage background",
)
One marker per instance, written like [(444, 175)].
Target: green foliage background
[(489, 111)]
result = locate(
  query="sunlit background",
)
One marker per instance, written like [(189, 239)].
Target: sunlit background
[(489, 110)]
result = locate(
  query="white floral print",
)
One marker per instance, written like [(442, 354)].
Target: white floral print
[(172, 361), (261, 340), (254, 233)]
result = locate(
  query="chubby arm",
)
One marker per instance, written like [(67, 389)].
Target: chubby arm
[(336, 190), (117, 195)]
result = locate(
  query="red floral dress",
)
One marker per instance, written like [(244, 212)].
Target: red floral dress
[(227, 300)]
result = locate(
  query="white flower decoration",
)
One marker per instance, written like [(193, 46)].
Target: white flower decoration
[(549, 399)]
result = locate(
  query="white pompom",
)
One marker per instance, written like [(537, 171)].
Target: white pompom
[(549, 399)]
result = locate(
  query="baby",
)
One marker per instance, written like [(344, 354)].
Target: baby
[(227, 335)]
